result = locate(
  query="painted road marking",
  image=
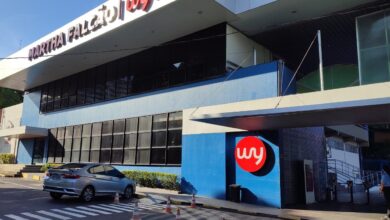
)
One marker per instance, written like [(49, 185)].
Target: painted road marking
[(34, 216), (15, 217), (94, 210), (69, 213), (53, 215), (106, 209), (82, 212), (118, 208)]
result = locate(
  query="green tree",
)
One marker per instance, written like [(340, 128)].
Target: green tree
[(9, 97)]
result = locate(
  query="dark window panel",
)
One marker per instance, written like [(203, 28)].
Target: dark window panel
[(59, 151), (90, 87), (106, 142), (144, 139), (159, 139), (86, 143), (73, 90), (84, 157), (110, 80), (50, 97), (174, 156), (69, 132), (117, 156), (160, 122), (145, 123), (129, 156), (81, 88), (87, 130), (96, 129), (119, 126), (175, 120), (143, 156), (100, 85), (77, 131), (94, 157), (65, 92), (174, 137), (95, 143), (118, 141), (158, 156), (130, 140), (57, 95), (130, 83), (107, 127), (52, 145), (44, 94), (76, 149), (132, 125), (105, 156), (121, 78)]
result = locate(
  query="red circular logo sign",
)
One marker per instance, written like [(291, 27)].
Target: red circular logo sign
[(250, 154)]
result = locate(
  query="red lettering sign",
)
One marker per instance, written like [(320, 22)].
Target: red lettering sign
[(132, 5), (250, 154)]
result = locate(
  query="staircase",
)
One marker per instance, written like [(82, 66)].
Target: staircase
[(16, 170)]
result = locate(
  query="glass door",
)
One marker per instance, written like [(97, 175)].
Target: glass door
[(38, 151)]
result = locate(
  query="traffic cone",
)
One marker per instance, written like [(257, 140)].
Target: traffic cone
[(168, 208), (136, 215), (193, 202), (116, 199), (178, 213)]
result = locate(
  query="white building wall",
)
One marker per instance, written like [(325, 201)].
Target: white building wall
[(10, 118)]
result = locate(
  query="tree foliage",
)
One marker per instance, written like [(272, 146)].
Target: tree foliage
[(9, 97)]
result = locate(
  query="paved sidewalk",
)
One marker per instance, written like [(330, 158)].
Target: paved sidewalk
[(160, 196)]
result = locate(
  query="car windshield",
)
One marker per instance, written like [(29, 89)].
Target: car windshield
[(73, 166)]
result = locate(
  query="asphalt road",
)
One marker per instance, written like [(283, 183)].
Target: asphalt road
[(23, 200)]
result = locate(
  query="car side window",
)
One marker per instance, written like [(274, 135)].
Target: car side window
[(97, 170), (111, 171)]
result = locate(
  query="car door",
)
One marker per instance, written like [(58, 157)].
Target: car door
[(101, 181), (116, 184)]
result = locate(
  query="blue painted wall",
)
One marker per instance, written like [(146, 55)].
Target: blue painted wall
[(203, 165), (25, 151), (262, 188), (246, 84)]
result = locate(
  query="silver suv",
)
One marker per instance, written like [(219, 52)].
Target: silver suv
[(86, 181)]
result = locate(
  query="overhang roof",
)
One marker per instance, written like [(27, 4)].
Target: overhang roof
[(24, 132), (165, 21), (369, 104)]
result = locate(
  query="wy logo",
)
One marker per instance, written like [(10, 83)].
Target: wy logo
[(250, 154)]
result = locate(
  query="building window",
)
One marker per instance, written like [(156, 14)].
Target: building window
[(147, 140), (95, 142), (156, 68), (85, 143)]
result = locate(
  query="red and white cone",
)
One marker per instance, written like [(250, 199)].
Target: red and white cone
[(136, 215), (168, 208), (178, 213), (116, 199), (193, 202)]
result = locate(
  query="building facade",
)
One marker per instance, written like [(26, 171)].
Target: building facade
[(133, 86)]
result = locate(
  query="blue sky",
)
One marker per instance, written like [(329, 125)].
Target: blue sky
[(25, 21)]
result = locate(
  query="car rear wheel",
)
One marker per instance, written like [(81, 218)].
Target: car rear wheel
[(88, 194), (55, 195), (128, 193)]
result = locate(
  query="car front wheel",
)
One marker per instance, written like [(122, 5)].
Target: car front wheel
[(55, 195), (128, 192), (88, 194)]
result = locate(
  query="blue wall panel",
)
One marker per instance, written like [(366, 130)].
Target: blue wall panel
[(263, 187), (203, 165), (245, 84), (25, 151)]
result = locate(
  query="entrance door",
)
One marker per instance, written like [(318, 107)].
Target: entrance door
[(38, 151)]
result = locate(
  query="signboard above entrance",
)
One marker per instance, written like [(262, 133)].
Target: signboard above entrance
[(250, 154), (103, 17)]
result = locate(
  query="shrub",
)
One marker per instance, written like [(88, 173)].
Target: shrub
[(7, 159), (154, 179), (47, 166)]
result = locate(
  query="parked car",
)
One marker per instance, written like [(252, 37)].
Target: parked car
[(86, 181)]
